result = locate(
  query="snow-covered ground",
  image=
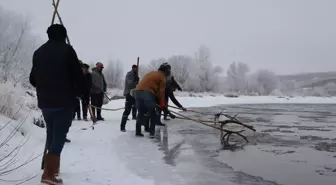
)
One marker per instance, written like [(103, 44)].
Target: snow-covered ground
[(107, 156)]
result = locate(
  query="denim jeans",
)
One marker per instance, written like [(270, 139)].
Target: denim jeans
[(58, 123), (146, 103)]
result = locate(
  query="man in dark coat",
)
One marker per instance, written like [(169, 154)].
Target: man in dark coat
[(86, 90), (171, 86), (56, 74), (98, 90), (131, 81)]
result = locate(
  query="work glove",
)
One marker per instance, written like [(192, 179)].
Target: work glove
[(162, 106), (179, 88), (184, 109)]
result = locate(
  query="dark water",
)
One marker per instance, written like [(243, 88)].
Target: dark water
[(294, 144)]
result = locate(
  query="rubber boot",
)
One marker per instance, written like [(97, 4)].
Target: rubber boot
[(50, 170), (138, 124), (123, 123), (58, 168), (99, 117), (146, 123)]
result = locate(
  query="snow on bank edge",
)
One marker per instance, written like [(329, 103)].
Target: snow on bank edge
[(208, 101)]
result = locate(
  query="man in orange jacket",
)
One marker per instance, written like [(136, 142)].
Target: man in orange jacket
[(152, 86)]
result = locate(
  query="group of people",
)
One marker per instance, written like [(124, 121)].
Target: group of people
[(94, 88), (150, 96), (62, 80)]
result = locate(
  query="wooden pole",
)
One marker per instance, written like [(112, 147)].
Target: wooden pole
[(59, 18), (55, 11), (138, 66)]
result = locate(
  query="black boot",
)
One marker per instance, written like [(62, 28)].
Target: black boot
[(123, 123), (139, 135), (160, 124), (146, 124), (152, 135), (138, 124), (99, 117)]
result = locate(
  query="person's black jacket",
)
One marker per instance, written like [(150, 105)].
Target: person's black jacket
[(171, 96), (56, 74), (87, 83), (169, 92)]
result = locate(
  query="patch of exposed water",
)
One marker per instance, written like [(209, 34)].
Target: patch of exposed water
[(293, 145)]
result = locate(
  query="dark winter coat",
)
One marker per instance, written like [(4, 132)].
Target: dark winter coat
[(171, 86), (98, 82), (87, 83), (56, 74), (131, 81)]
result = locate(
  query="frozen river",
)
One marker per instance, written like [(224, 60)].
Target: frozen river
[(294, 144)]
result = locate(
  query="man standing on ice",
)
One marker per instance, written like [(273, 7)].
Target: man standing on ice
[(151, 86), (56, 74), (131, 81), (86, 90), (98, 90)]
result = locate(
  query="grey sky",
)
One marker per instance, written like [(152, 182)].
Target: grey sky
[(286, 36)]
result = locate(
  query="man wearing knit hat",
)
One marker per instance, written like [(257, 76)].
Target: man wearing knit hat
[(56, 74)]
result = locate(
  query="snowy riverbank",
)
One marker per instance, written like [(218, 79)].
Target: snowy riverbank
[(100, 157)]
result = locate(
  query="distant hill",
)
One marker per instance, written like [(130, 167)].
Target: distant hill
[(310, 79)]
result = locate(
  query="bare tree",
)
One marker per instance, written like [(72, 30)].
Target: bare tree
[(114, 74), (152, 66), (155, 64), (143, 70), (207, 74), (264, 82), (236, 75), (16, 47), (181, 65)]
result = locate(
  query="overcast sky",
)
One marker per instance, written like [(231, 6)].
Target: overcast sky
[(286, 36)]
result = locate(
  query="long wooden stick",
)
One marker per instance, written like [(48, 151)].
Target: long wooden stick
[(138, 67), (55, 11), (59, 18), (208, 121)]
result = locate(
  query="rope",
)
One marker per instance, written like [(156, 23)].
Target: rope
[(101, 108), (225, 133), (232, 118)]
